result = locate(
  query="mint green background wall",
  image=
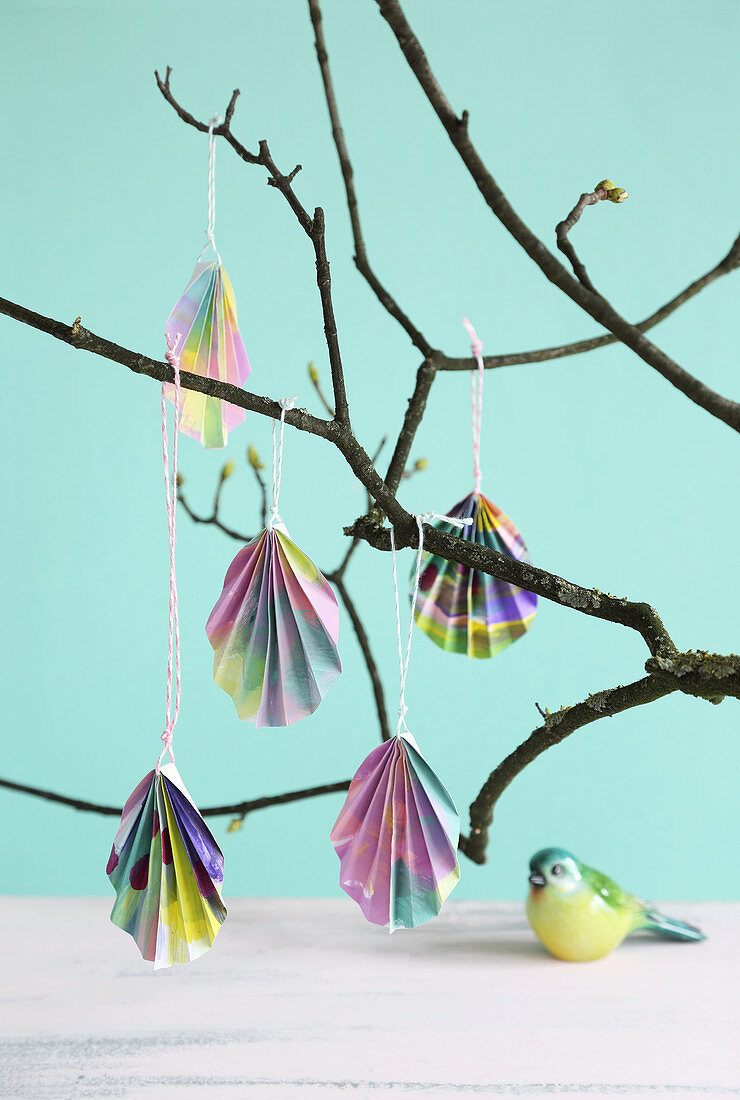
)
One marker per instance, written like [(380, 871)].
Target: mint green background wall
[(615, 479)]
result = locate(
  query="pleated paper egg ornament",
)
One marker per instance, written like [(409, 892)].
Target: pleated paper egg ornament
[(397, 832), (274, 631), (463, 610), (167, 871), (275, 626), (205, 317), (396, 837), (204, 323)]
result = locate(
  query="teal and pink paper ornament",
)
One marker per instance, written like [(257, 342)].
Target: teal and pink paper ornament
[(205, 317), (397, 833), (165, 866), (461, 609), (275, 627)]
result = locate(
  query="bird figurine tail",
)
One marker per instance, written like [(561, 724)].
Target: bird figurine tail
[(670, 929)]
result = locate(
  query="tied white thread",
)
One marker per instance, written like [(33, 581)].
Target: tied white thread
[(170, 489), (210, 231), (277, 461), (404, 659), (476, 399)]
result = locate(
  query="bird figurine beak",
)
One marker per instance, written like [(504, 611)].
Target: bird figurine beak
[(537, 879)]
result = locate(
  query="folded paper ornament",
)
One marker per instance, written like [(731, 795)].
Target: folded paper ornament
[(396, 837), (205, 318), (167, 871), (274, 631), (463, 610)]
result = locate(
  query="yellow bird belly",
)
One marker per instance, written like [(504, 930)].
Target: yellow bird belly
[(578, 927)]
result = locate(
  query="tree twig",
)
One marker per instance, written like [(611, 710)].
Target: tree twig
[(362, 262), (727, 264), (555, 729), (563, 228), (241, 808), (457, 129)]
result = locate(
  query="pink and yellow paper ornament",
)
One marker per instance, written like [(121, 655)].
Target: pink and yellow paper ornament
[(464, 610), (397, 833), (165, 865), (205, 317), (275, 627)]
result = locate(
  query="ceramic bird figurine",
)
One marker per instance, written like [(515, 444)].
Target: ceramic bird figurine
[(580, 914)]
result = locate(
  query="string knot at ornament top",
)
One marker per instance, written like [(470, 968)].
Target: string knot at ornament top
[(285, 403), (275, 627), (464, 610), (212, 345), (165, 865), (397, 833)]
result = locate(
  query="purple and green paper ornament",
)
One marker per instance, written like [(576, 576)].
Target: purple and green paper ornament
[(462, 609)]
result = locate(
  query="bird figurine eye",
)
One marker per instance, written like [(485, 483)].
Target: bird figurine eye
[(557, 869)]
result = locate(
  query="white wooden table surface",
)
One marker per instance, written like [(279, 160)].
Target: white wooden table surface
[(302, 999)]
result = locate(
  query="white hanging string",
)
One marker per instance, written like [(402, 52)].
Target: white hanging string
[(170, 489), (476, 399), (404, 659), (277, 460), (210, 231)]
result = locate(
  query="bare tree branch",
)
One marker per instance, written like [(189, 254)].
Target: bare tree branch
[(637, 616), (364, 644), (588, 601), (361, 259), (595, 305), (727, 264), (563, 228), (707, 676), (555, 729), (240, 808), (414, 413)]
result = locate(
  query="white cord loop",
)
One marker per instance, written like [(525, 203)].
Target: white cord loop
[(285, 403), (210, 230), (476, 399), (404, 659)]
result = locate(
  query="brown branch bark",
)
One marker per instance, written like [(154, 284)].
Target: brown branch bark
[(555, 729), (563, 228), (411, 421), (367, 653), (236, 808), (362, 263), (595, 305), (727, 264), (638, 616)]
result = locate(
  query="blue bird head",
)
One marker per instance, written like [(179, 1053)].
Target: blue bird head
[(555, 869)]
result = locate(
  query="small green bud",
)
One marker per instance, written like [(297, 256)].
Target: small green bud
[(227, 469), (180, 481), (313, 374), (421, 464), (613, 193), (253, 458), (235, 825)]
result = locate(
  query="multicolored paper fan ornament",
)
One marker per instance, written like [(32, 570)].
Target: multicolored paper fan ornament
[(167, 872), (397, 833), (461, 609), (165, 865), (212, 346), (275, 627)]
